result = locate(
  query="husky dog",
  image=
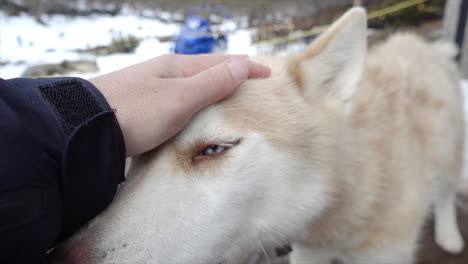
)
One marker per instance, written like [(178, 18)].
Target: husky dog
[(341, 152)]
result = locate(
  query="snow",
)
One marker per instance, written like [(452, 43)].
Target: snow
[(146, 50), (65, 34), (24, 42), (240, 42)]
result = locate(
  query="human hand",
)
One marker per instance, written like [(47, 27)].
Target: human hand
[(156, 98)]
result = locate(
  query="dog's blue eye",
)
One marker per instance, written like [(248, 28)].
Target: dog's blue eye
[(213, 150)]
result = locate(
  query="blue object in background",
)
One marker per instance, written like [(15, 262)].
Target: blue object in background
[(195, 37), (19, 40)]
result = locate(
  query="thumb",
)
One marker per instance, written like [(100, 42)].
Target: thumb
[(214, 84)]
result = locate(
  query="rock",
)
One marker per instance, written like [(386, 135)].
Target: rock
[(60, 69), (81, 66)]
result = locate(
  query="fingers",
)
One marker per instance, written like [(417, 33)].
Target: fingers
[(217, 82), (177, 66), (258, 71)]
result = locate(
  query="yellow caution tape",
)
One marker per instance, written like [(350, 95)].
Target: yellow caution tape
[(319, 29), (394, 8)]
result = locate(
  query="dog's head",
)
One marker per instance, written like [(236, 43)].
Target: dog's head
[(251, 170)]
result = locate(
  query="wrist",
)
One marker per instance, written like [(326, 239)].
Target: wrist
[(110, 90)]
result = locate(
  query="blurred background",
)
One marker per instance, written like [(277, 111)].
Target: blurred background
[(89, 37), (86, 38)]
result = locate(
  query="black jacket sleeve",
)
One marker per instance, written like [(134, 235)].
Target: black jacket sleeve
[(62, 156)]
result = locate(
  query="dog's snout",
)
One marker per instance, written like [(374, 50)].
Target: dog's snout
[(79, 254)]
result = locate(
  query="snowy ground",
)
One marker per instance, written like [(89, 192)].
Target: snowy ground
[(24, 42)]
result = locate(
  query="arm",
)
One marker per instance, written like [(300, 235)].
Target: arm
[(61, 159)]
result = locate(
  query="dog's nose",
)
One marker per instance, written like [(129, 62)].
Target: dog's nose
[(75, 255)]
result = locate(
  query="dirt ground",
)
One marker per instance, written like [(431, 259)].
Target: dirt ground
[(429, 252)]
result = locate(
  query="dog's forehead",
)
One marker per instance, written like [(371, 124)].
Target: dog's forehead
[(255, 98), (208, 125)]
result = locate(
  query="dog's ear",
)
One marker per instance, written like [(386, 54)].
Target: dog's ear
[(333, 64)]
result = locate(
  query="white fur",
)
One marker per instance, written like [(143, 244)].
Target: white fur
[(339, 68)]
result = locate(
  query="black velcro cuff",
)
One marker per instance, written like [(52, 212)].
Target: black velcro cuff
[(72, 101)]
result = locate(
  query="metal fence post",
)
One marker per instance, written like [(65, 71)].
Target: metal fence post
[(456, 30)]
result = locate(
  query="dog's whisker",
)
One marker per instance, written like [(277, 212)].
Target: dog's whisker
[(274, 240), (264, 251)]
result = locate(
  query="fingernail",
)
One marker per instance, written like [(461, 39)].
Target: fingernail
[(239, 69)]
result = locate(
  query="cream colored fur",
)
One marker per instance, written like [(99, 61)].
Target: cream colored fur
[(340, 152)]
